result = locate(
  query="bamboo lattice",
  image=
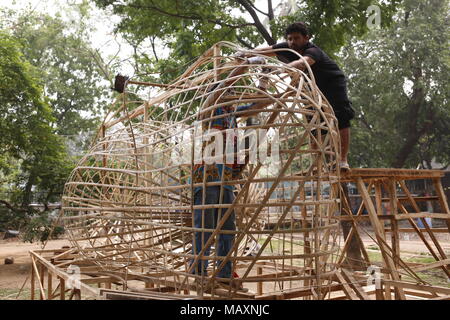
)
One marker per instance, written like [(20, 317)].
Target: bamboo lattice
[(128, 206)]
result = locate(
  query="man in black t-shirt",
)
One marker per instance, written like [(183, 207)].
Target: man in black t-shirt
[(329, 78)]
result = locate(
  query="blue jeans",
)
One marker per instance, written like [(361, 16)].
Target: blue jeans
[(208, 219)]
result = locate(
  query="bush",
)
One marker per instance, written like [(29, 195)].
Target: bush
[(39, 228)]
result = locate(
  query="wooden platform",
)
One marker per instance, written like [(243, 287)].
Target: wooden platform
[(377, 190), (386, 173)]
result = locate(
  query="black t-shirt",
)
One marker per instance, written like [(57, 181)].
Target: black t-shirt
[(329, 77)]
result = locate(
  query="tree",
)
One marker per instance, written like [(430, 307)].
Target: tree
[(188, 28), (399, 87), (72, 79), (31, 150)]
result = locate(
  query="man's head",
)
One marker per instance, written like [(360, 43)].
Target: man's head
[(297, 35)]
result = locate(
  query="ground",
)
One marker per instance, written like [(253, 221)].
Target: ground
[(14, 276)]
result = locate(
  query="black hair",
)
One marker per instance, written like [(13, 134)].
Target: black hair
[(299, 27)]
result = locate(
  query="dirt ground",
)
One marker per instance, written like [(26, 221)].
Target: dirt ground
[(14, 276)]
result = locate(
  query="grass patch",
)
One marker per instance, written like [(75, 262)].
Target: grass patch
[(435, 278), (421, 259), (11, 294), (276, 246), (375, 256)]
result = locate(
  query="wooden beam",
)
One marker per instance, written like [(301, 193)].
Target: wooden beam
[(49, 286), (61, 274), (62, 289), (442, 198), (33, 280), (355, 285), (385, 250), (432, 265), (432, 289), (346, 287), (383, 173)]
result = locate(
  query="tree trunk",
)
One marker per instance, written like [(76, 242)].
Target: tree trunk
[(27, 194), (413, 133)]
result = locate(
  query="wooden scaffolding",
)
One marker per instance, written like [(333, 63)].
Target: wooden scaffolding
[(129, 206)]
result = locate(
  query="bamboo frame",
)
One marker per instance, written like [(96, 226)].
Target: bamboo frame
[(128, 205)]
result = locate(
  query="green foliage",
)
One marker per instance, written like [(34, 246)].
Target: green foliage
[(187, 28), (52, 91), (28, 144), (39, 228), (73, 82), (400, 90), (21, 102)]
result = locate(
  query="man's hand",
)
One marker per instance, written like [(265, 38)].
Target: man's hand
[(241, 55), (256, 60), (300, 64)]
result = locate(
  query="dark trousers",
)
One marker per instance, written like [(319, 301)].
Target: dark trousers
[(208, 219)]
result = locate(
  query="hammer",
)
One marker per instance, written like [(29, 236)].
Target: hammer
[(121, 82)]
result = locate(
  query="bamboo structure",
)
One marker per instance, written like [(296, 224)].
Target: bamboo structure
[(385, 187), (129, 205)]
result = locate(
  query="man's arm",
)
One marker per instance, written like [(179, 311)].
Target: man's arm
[(267, 51), (300, 63)]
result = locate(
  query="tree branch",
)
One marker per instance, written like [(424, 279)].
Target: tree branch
[(260, 11), (366, 124), (190, 17), (245, 43), (270, 8), (257, 23), (10, 206), (152, 41)]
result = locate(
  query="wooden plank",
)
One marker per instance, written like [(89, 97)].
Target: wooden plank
[(447, 297), (61, 274), (417, 215), (379, 294), (259, 286), (49, 286), (394, 224), (37, 273), (398, 217), (346, 287), (387, 291), (33, 280), (97, 280), (432, 265), (355, 285), (385, 250), (412, 230), (432, 289), (62, 289), (442, 198), (64, 254), (405, 174), (41, 280)]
